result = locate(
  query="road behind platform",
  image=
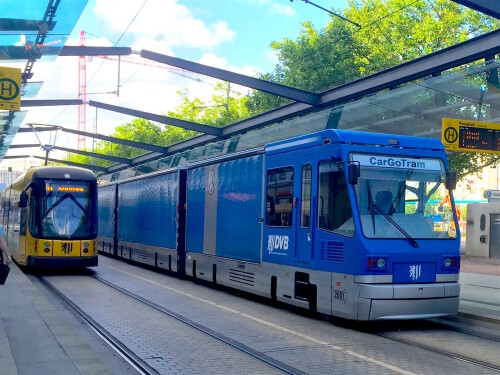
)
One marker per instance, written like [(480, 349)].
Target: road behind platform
[(38, 335)]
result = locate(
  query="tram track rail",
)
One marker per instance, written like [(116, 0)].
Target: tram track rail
[(135, 361), (445, 325), (140, 365), (433, 349)]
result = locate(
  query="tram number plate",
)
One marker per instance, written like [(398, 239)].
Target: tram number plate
[(340, 294), (67, 248)]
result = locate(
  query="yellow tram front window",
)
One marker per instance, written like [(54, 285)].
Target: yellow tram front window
[(66, 210)]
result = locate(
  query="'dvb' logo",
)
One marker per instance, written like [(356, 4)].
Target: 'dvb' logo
[(8, 89)]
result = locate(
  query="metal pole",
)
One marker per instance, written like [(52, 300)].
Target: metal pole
[(118, 85)]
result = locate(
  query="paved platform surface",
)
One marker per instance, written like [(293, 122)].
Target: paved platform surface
[(39, 337)]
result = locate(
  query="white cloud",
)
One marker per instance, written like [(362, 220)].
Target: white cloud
[(274, 7), (163, 20), (284, 10)]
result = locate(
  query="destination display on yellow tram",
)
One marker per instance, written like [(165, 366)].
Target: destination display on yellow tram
[(66, 189), (471, 136)]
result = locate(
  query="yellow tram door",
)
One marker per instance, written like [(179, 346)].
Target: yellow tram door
[(23, 236)]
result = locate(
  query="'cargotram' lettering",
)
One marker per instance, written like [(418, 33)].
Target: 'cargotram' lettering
[(398, 163)]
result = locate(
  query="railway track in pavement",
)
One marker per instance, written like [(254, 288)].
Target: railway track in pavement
[(418, 333)]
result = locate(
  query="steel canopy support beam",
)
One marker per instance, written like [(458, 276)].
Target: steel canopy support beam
[(39, 129), (240, 79), (17, 157), (49, 102), (32, 145), (111, 158), (114, 159), (95, 51), (123, 142), (483, 46), (94, 167), (489, 7), (158, 118), (19, 25)]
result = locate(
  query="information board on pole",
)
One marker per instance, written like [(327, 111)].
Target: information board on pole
[(471, 136), (10, 88)]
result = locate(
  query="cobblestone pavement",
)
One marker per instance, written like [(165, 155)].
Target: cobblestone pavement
[(310, 345)]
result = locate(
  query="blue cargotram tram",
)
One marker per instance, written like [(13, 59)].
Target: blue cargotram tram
[(340, 222)]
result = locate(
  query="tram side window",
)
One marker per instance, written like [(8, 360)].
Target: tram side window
[(279, 197), (305, 209), (334, 206)]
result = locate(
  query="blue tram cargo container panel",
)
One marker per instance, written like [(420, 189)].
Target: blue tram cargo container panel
[(224, 209), (152, 203)]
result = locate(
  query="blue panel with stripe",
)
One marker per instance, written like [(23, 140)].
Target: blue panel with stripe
[(195, 215), (239, 208), (147, 210), (106, 207)]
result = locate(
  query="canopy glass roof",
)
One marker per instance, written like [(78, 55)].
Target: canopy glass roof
[(22, 20), (414, 109), (9, 125), (32, 30)]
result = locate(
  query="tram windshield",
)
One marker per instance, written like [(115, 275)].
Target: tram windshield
[(399, 197), (65, 209)]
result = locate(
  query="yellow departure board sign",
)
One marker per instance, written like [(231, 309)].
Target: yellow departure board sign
[(471, 136), (10, 88)]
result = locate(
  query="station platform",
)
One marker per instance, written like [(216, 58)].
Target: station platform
[(38, 336)]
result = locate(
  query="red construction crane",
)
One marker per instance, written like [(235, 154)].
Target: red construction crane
[(82, 94)]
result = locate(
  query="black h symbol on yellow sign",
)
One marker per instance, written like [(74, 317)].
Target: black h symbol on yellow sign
[(451, 135)]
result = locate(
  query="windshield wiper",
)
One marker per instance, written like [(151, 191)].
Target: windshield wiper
[(370, 204), (65, 196), (401, 189), (391, 220)]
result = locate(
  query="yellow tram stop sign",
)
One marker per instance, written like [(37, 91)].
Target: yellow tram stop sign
[(10, 88), (471, 136)]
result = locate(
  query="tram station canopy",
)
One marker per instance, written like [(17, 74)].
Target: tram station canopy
[(411, 99)]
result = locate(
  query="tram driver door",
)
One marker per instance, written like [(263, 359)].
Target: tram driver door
[(305, 206), (23, 223)]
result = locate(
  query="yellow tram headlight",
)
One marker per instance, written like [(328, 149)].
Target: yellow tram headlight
[(46, 247), (85, 247)]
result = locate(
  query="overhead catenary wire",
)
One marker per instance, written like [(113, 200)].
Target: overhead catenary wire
[(120, 38)]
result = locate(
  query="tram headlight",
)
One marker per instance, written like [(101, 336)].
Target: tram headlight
[(377, 263), (46, 247), (85, 247), (451, 262)]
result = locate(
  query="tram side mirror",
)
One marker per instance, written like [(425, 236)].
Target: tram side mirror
[(23, 200), (354, 173), (451, 180)]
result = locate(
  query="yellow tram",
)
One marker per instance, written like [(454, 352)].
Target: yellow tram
[(49, 217)]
